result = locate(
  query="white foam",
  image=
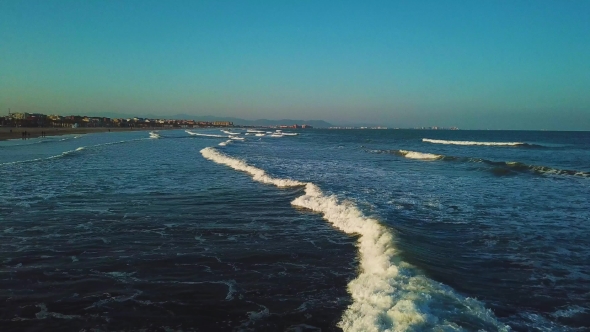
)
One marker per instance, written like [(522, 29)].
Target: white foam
[(229, 132), (206, 135), (419, 155), (258, 174), (237, 138), (290, 134), (63, 153), (388, 294), (260, 134), (154, 135), (225, 143), (440, 141)]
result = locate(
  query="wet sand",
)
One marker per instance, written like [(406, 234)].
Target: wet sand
[(36, 132)]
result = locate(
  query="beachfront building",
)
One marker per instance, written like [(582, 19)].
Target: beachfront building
[(18, 116), (223, 123)]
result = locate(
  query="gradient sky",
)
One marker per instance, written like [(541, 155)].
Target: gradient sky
[(472, 64)]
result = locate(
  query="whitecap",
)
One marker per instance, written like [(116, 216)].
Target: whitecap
[(419, 155), (440, 141), (388, 294), (205, 135)]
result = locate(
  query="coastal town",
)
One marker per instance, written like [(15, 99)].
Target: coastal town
[(35, 120), (32, 125), (38, 120)]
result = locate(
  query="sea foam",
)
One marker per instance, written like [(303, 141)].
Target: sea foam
[(229, 132), (419, 155), (440, 141), (257, 174), (205, 135), (508, 166), (388, 294)]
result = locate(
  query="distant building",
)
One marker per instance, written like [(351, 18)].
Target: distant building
[(19, 116)]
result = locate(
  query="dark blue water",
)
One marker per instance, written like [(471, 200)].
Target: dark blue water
[(117, 231)]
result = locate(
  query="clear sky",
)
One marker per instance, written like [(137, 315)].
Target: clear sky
[(500, 64)]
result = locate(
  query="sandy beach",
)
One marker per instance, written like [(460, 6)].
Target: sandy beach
[(16, 133)]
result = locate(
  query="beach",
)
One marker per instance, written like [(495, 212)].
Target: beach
[(16, 132)]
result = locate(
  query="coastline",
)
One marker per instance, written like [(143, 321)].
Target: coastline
[(35, 132)]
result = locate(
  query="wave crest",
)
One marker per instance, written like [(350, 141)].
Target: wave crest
[(440, 141), (419, 155), (388, 294), (257, 174), (500, 167), (205, 135)]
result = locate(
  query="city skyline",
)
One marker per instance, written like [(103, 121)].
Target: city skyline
[(481, 65)]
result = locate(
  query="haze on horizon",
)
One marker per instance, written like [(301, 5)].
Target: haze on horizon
[(470, 64)]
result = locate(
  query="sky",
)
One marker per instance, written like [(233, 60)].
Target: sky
[(472, 64)]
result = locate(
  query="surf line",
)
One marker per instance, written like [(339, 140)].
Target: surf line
[(388, 294)]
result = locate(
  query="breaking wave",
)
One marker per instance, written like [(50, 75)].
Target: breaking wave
[(522, 167), (257, 174), (388, 294), (500, 167), (229, 132), (419, 155), (229, 141), (440, 141), (205, 135)]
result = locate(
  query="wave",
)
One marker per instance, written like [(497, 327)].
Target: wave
[(154, 134), (500, 167), (419, 155), (257, 174), (205, 135), (229, 132), (70, 152), (522, 167), (63, 154), (388, 294), (440, 141), (229, 141)]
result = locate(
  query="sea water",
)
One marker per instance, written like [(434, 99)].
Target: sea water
[(355, 230)]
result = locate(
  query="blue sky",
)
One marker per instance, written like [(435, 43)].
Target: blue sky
[(472, 64)]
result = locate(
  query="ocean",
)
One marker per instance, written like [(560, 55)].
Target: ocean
[(326, 230)]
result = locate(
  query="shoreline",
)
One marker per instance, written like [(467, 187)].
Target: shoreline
[(35, 132)]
